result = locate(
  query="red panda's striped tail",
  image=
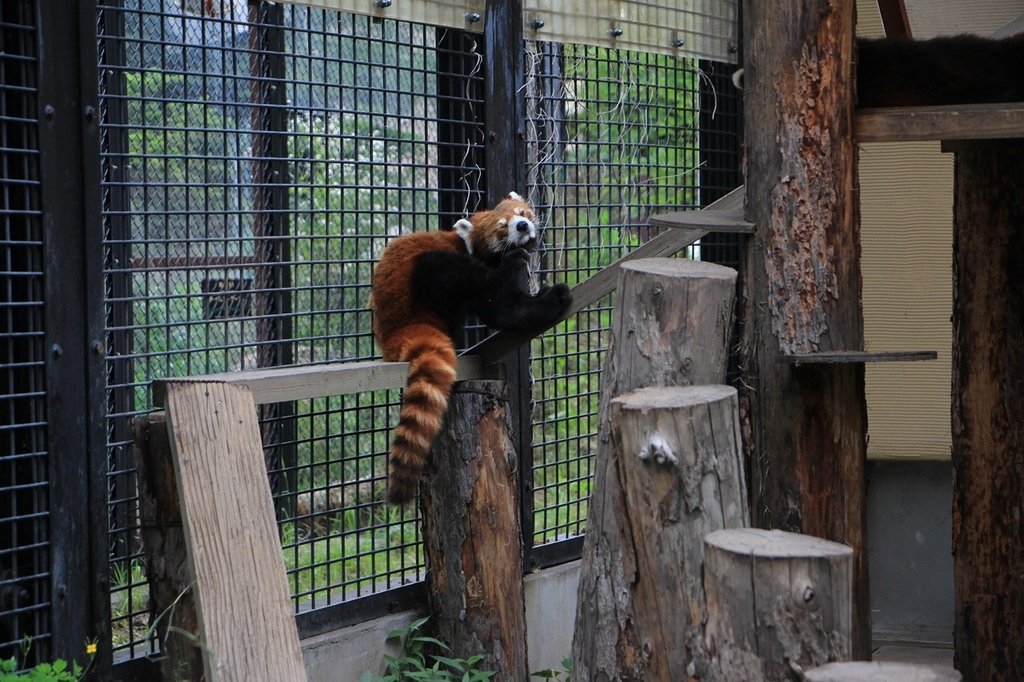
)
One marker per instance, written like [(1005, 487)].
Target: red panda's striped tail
[(431, 357)]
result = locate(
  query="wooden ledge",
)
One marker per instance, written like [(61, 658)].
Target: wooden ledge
[(710, 220), (854, 356), (955, 122)]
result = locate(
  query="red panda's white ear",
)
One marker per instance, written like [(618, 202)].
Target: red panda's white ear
[(502, 222), (463, 227), (515, 195)]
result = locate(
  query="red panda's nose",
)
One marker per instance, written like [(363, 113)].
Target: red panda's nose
[(523, 226)]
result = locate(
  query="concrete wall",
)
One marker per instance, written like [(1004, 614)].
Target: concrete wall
[(910, 558), (344, 655)]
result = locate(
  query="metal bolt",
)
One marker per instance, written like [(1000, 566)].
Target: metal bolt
[(56, 350), (90, 114), (49, 111), (383, 3), (616, 31), (473, 17), (808, 594), (492, 136), (733, 49), (97, 347), (678, 42), (538, 24)]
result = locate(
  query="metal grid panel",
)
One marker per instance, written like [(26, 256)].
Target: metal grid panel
[(24, 460), (616, 138), (255, 162)]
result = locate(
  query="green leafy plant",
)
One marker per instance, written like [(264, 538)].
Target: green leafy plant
[(564, 674), (416, 663), (57, 671)]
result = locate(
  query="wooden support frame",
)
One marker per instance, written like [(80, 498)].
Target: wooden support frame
[(246, 626)]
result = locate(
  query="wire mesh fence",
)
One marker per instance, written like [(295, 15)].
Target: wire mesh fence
[(618, 136), (256, 161), (255, 158), (25, 480)]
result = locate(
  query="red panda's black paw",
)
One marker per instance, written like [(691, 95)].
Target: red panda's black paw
[(516, 254), (558, 295)]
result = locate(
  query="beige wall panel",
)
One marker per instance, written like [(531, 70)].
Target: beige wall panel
[(906, 239), (930, 18), (452, 13), (707, 28)]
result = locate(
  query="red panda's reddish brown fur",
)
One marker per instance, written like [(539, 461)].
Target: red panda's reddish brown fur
[(408, 331)]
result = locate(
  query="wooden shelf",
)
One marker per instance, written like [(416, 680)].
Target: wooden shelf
[(956, 122), (854, 356), (709, 220)]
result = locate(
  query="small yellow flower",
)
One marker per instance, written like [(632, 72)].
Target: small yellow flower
[(90, 648)]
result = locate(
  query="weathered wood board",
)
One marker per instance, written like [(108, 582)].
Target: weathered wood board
[(246, 625)]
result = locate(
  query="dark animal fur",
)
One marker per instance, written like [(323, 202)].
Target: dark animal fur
[(960, 69)]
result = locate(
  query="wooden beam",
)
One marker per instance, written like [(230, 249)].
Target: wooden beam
[(894, 18), (246, 625), (949, 122), (303, 382)]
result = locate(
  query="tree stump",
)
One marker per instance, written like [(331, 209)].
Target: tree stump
[(988, 413), (678, 460), (670, 327), (470, 504), (778, 603), (865, 671)]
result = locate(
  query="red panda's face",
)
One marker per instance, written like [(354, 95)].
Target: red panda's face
[(509, 225)]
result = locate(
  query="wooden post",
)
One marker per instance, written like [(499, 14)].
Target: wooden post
[(777, 602), (988, 412), (806, 426), (679, 464), (246, 624), (171, 602), (670, 328), (470, 504)]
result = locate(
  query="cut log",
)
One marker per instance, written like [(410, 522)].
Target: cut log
[(470, 504), (988, 413), (865, 671), (678, 460), (778, 603), (171, 602), (670, 327)]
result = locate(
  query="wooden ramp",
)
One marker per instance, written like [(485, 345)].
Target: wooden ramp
[(246, 625)]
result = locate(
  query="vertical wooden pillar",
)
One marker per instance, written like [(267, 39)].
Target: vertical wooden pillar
[(471, 532), (806, 425), (988, 412)]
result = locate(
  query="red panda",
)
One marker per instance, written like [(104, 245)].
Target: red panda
[(424, 287)]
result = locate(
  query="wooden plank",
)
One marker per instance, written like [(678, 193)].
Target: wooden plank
[(246, 624), (853, 356), (950, 122), (280, 384), (497, 345), (894, 18)]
